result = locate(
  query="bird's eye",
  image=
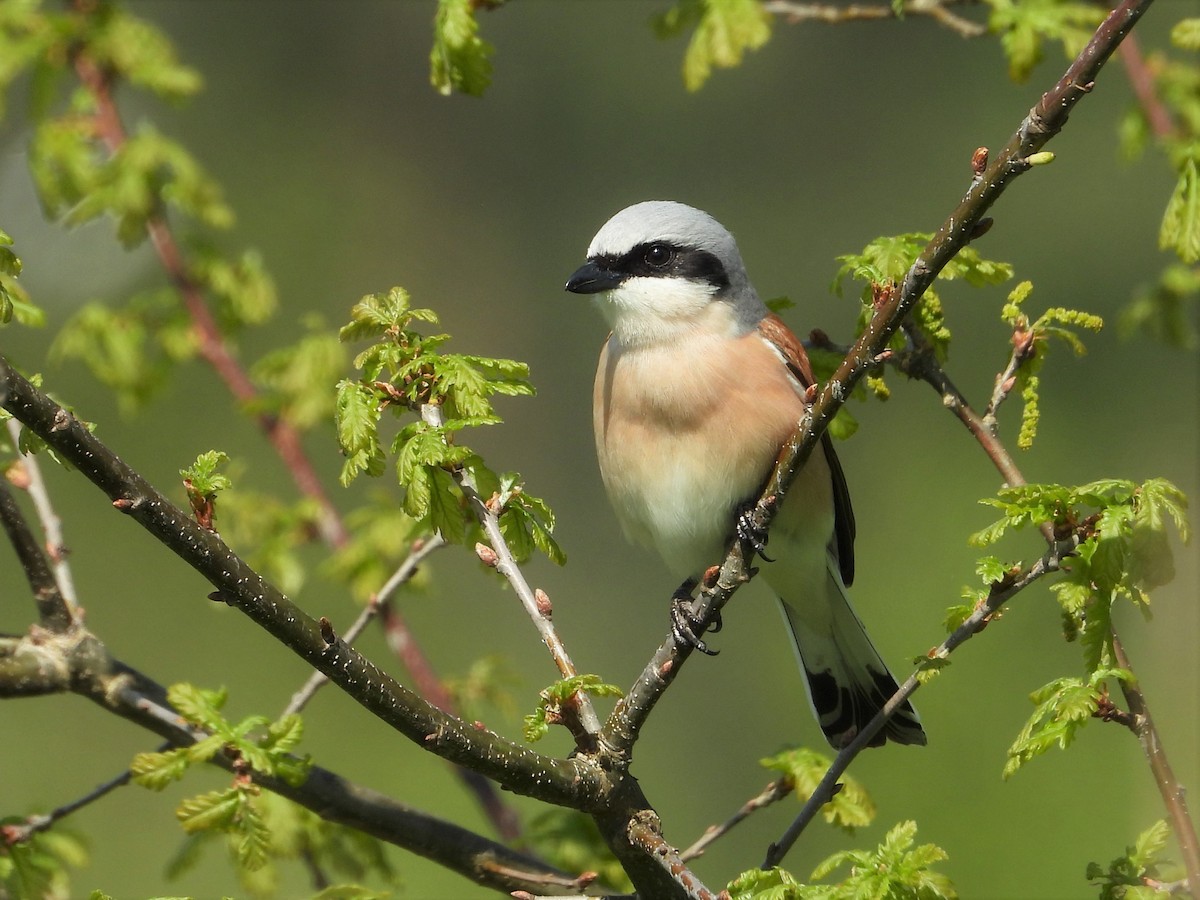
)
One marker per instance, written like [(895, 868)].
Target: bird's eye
[(658, 256)]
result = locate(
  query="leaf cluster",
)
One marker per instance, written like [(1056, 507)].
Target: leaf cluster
[(293, 833), (1131, 875), (894, 870), (38, 867), (405, 373), (1124, 553), (551, 701), (255, 744), (722, 32), (850, 808), (1031, 340), (14, 299), (1025, 26), (884, 262), (460, 60)]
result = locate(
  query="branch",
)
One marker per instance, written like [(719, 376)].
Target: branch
[(55, 613), (420, 550), (51, 523), (1174, 795), (1044, 121), (572, 783), (999, 594), (772, 793), (795, 11), (283, 436), (502, 560)]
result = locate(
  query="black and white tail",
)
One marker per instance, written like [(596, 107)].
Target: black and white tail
[(847, 681)]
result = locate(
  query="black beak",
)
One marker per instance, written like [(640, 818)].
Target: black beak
[(591, 278)]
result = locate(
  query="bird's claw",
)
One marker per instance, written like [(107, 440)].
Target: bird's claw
[(750, 533), (685, 623)]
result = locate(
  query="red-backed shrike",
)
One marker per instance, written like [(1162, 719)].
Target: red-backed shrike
[(698, 387)]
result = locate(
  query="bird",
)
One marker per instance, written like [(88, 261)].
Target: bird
[(697, 388)]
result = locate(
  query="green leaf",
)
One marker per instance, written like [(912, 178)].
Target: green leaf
[(1024, 26), (849, 809), (157, 770), (212, 811), (300, 380), (356, 411), (727, 29), (460, 60), (552, 699), (1165, 310), (1185, 34), (766, 884), (894, 869), (1062, 707), (203, 475), (1180, 229), (200, 707), (1132, 875)]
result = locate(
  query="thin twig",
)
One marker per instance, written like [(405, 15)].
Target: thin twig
[(55, 613), (574, 782), (1141, 79), (645, 833), (796, 11), (16, 834), (420, 550), (1045, 120), (999, 594), (56, 546), (502, 560), (1174, 795), (772, 793), (282, 435)]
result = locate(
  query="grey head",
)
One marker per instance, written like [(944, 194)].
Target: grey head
[(656, 266)]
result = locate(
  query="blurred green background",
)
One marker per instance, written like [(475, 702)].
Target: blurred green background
[(350, 175)]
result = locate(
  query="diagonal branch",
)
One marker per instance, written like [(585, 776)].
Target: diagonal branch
[(56, 614), (1001, 592), (1044, 121), (573, 783)]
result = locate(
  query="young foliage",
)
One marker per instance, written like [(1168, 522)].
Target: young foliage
[(1135, 874), (1031, 341), (38, 867), (1025, 25), (572, 842), (203, 482), (893, 869), (884, 261), (1125, 551), (130, 350), (460, 60), (1165, 311), (1063, 707), (14, 300), (405, 373), (850, 808), (1180, 229), (290, 834), (552, 700), (298, 381), (257, 742), (381, 536), (723, 31)]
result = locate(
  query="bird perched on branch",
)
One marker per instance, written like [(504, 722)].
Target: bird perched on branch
[(698, 387)]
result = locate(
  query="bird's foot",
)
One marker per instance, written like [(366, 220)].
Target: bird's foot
[(685, 623), (750, 533)]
